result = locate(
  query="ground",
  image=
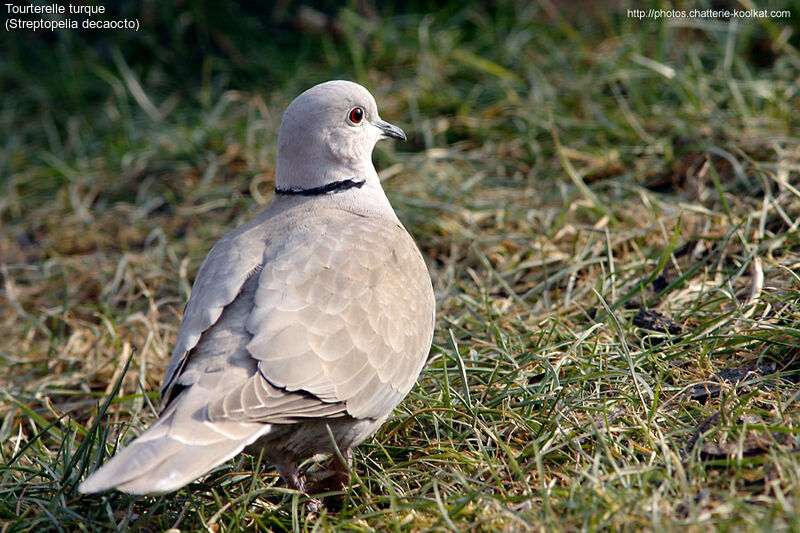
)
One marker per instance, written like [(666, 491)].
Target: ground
[(609, 208)]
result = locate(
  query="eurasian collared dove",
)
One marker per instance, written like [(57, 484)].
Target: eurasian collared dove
[(313, 319)]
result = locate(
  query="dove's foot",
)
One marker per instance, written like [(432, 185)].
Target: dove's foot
[(335, 478), (291, 477)]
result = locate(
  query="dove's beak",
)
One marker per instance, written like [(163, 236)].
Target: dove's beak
[(390, 130)]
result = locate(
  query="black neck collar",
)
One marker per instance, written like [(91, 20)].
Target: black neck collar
[(328, 188)]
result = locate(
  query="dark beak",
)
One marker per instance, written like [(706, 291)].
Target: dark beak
[(390, 130)]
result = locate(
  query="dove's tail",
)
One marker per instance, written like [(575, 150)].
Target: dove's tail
[(180, 447)]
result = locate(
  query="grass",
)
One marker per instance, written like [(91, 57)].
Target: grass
[(565, 174)]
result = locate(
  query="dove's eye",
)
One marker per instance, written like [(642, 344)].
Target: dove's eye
[(356, 116)]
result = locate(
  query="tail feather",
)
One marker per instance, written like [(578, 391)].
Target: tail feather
[(190, 463), (180, 447)]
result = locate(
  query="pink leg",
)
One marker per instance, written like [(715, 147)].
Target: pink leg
[(290, 476)]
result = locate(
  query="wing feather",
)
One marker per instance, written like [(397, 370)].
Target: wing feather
[(218, 282), (360, 309), (333, 318)]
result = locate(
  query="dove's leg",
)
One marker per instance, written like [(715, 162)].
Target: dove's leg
[(290, 476), (337, 473), (334, 478), (348, 456)]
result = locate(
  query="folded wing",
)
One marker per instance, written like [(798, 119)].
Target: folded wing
[(342, 321)]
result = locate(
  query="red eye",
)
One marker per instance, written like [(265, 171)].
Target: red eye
[(356, 115)]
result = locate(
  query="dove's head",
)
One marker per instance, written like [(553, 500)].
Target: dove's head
[(327, 135)]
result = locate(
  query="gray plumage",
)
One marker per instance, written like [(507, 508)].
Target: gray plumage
[(316, 314)]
